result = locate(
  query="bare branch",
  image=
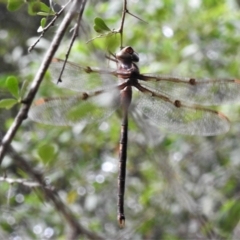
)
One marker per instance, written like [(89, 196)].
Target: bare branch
[(20, 181), (74, 36), (22, 114), (120, 29), (122, 22), (125, 10), (48, 26)]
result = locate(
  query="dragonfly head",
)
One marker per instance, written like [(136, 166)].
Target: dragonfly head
[(127, 55)]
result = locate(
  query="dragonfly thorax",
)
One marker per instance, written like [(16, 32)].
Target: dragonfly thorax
[(126, 63)]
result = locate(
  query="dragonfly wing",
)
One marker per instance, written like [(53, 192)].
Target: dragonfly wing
[(206, 92), (68, 111), (79, 78), (180, 118), (152, 135)]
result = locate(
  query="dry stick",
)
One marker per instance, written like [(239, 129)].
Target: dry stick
[(120, 29), (74, 36), (21, 181), (124, 11), (51, 194), (122, 21), (48, 26), (22, 114)]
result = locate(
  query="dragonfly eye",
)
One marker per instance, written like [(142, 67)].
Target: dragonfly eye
[(129, 50), (127, 54), (135, 57)]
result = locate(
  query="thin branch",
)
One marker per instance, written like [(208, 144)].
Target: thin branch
[(136, 16), (125, 10), (74, 36), (48, 26), (120, 29), (122, 22), (22, 114), (24, 182)]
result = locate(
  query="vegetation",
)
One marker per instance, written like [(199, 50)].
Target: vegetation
[(61, 182)]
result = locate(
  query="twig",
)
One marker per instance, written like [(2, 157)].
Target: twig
[(74, 36), (20, 181), (120, 29), (22, 114), (48, 26), (122, 22), (125, 10)]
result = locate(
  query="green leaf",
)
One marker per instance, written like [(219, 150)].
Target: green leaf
[(12, 85), (8, 103), (46, 152), (44, 8), (100, 26), (43, 22), (14, 5), (36, 7)]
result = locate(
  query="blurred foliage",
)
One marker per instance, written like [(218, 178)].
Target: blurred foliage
[(172, 180)]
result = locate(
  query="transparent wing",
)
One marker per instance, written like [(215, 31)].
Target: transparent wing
[(180, 118), (192, 90), (79, 78), (68, 111), (149, 131)]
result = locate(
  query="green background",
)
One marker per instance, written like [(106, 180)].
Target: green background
[(172, 180)]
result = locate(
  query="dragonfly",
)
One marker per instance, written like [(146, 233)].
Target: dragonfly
[(178, 104)]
